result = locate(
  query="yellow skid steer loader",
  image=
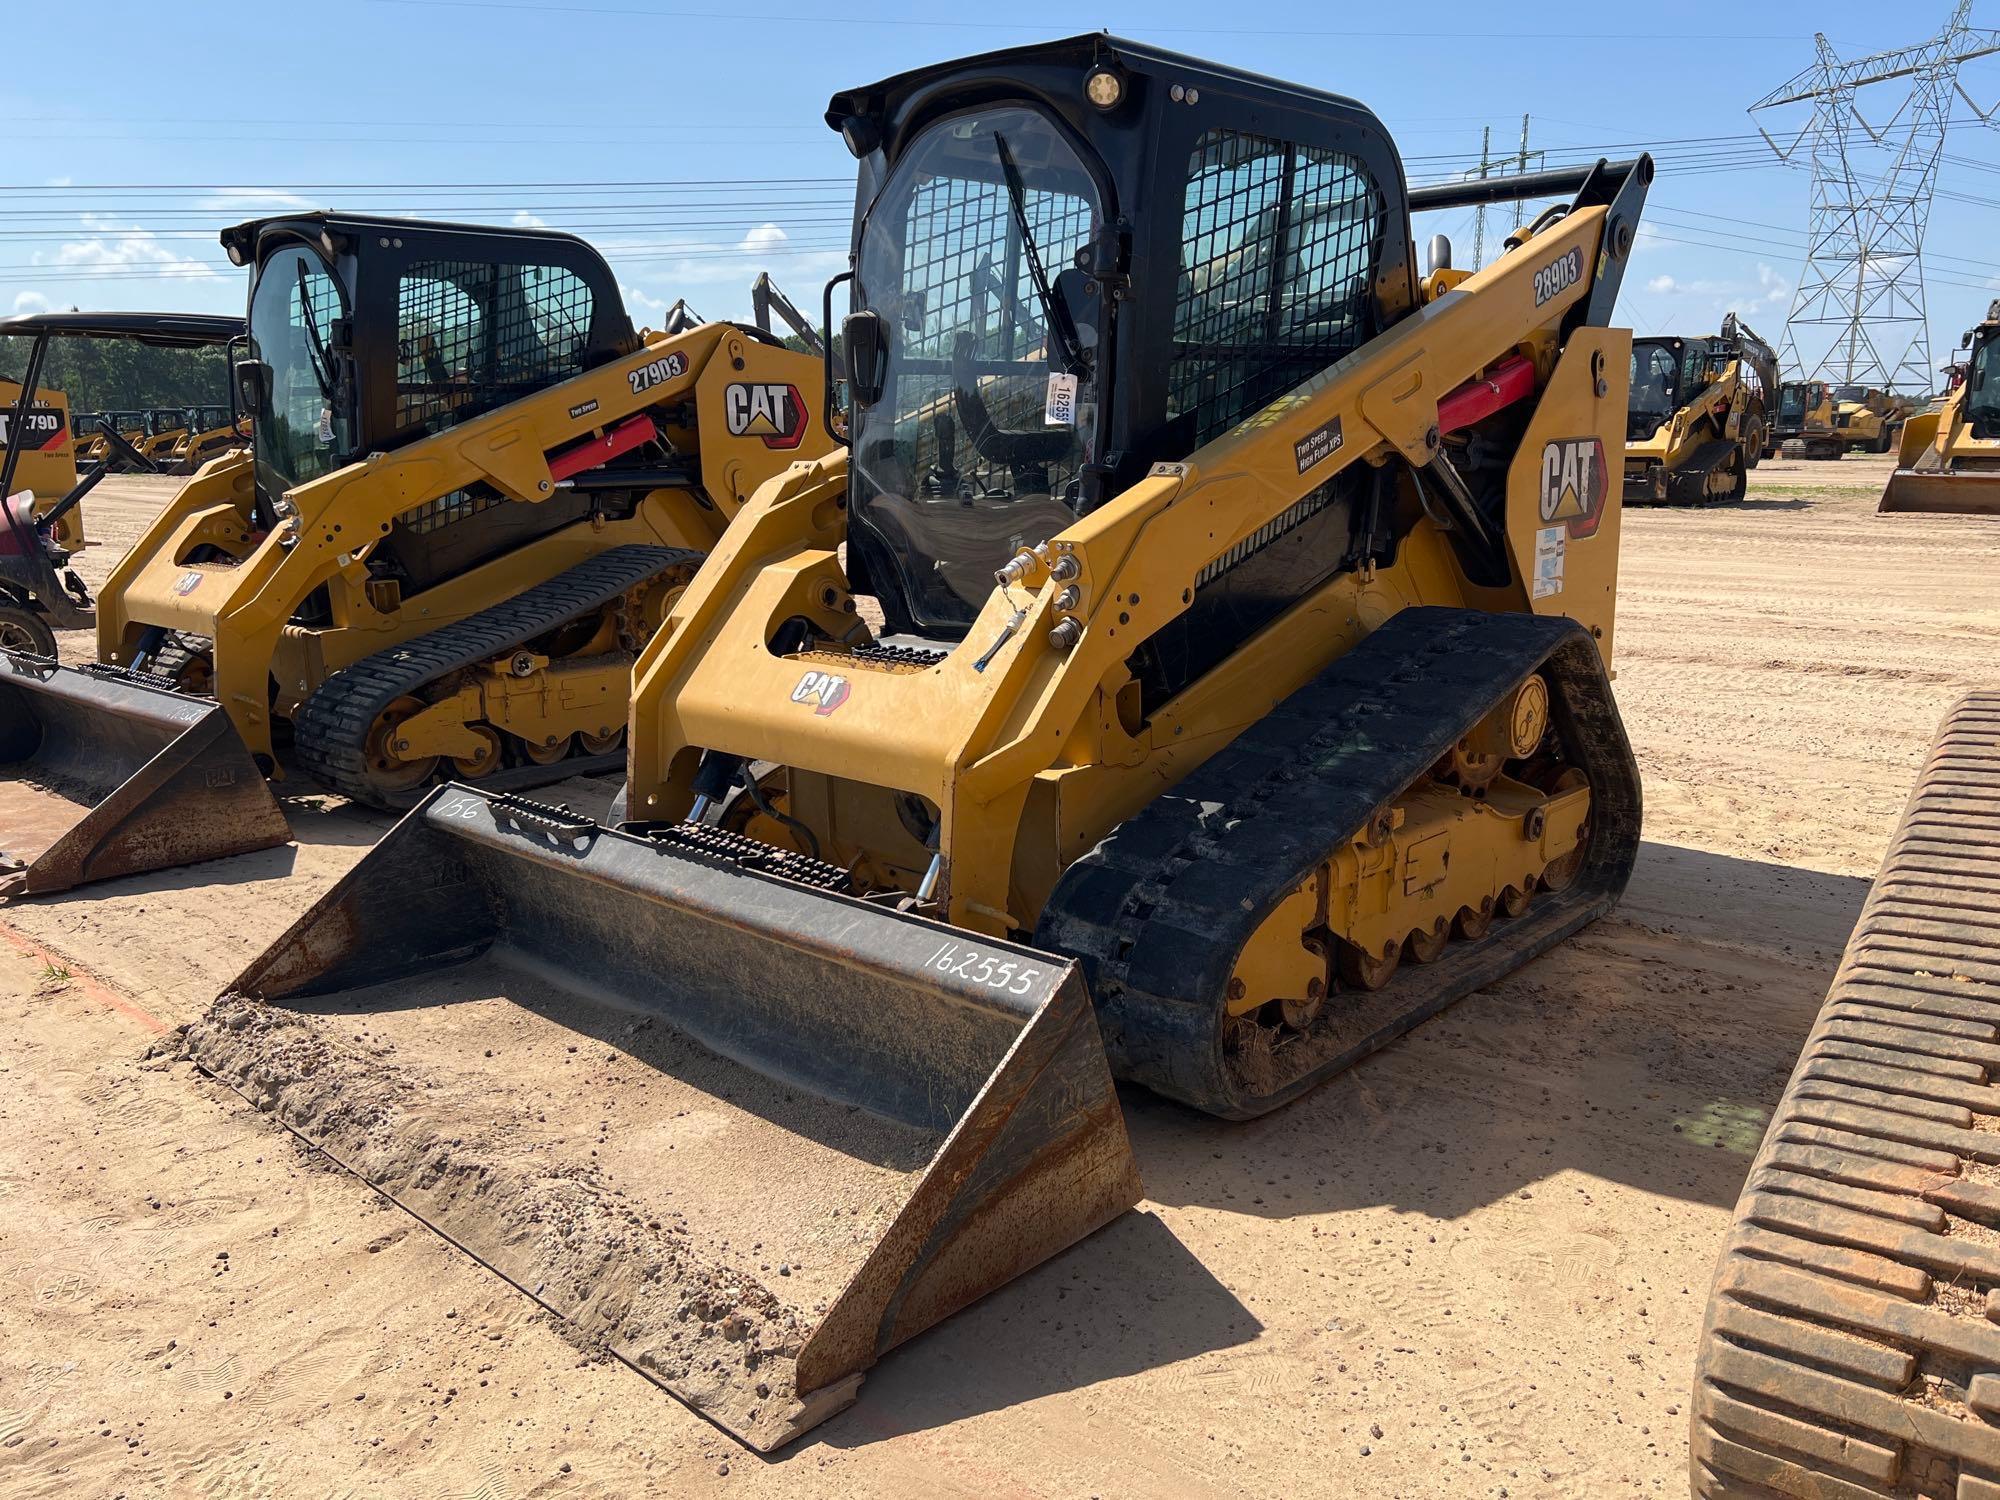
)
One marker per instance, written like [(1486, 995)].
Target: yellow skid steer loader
[(48, 480), (1700, 415), (472, 493), (1211, 614), (1949, 461)]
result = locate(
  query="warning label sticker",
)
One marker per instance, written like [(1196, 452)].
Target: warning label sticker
[(1551, 543)]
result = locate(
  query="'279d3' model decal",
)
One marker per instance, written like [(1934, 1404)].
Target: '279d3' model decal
[(771, 411), (659, 372)]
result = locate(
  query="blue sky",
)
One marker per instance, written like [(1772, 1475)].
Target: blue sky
[(684, 137)]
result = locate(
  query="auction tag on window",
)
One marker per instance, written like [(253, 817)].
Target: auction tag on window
[(1060, 409), (325, 432)]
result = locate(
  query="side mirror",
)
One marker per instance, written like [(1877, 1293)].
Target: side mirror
[(253, 388), (865, 338)]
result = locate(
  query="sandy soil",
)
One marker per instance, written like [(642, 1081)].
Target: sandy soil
[(1473, 1266)]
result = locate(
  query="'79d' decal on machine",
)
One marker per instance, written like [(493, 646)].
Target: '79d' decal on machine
[(659, 372)]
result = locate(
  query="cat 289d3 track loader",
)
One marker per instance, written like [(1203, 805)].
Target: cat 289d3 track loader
[(1245, 600), (1949, 461), (471, 494)]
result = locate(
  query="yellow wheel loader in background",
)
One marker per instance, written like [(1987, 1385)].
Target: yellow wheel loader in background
[(1856, 416), (48, 479), (1949, 460), (1700, 415), (1239, 700), (471, 494)]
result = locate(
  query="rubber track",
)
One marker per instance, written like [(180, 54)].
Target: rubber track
[(1158, 911), (1850, 1347), (330, 733)]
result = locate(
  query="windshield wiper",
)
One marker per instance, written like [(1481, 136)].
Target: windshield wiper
[(1055, 313), (317, 356)]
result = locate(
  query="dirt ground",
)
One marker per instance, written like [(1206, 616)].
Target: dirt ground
[(1473, 1266)]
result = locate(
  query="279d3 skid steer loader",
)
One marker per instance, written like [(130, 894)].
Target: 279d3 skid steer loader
[(1949, 461), (1245, 598), (471, 494)]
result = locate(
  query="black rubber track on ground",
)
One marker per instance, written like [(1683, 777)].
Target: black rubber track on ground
[(1158, 911), (1850, 1347), (330, 733)]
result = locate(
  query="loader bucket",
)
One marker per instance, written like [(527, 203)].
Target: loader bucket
[(105, 776), (1947, 492), (748, 1134)]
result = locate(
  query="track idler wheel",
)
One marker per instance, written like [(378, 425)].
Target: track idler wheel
[(386, 766), (546, 755)]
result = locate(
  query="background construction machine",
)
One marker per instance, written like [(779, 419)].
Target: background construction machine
[(472, 493), (1245, 601), (1700, 415), (1853, 416), (1850, 1347), (1949, 459), (48, 480), (1799, 402)]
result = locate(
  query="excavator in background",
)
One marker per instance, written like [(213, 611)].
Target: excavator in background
[(1856, 416), (471, 494), (1194, 672), (1799, 402), (1701, 413), (1949, 458)]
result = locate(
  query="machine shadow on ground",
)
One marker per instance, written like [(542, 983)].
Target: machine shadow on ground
[(1647, 1051)]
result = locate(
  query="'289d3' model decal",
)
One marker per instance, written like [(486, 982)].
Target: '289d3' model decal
[(1558, 276)]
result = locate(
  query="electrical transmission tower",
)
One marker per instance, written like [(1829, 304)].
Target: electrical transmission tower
[(1871, 200)]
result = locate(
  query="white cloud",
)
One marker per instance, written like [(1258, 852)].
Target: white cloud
[(1663, 285), (112, 244), (525, 220), (763, 237), (62, 182), (232, 200), (30, 302)]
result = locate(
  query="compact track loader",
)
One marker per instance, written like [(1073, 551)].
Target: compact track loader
[(472, 492), (1195, 672), (48, 480), (1850, 1346), (1800, 403), (1949, 460), (212, 430), (1700, 415), (1851, 417)]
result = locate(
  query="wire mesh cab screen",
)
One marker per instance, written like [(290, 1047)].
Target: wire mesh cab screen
[(473, 335), (1279, 247)]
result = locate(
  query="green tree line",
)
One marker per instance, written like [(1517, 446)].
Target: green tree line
[(119, 375)]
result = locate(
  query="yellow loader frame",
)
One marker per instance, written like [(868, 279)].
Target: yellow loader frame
[(265, 665)]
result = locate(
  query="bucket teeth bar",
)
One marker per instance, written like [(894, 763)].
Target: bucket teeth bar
[(811, 1041), (107, 775)]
